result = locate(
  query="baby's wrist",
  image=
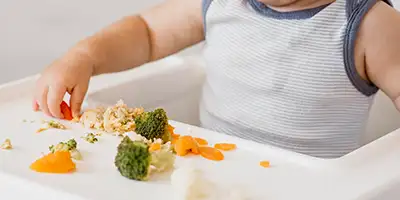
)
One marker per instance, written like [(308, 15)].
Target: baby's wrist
[(397, 103), (84, 50)]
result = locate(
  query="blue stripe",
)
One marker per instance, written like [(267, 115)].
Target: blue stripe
[(356, 12), (300, 14), (205, 5)]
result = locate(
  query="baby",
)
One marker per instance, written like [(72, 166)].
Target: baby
[(297, 74)]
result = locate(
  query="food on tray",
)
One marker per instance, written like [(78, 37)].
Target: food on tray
[(174, 137), (51, 124), (70, 146), (66, 111), (189, 183), (134, 160), (153, 125), (211, 153), (6, 145), (93, 118), (98, 134), (201, 141), (57, 162), (265, 164), (155, 147), (186, 144), (225, 146), (118, 118), (121, 119), (90, 137)]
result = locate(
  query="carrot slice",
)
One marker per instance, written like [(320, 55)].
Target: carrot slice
[(171, 129), (155, 147), (57, 162), (175, 136), (173, 141), (186, 144), (225, 146), (211, 153), (66, 110), (264, 164), (201, 141)]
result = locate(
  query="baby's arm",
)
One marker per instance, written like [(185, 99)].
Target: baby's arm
[(380, 33), (148, 36)]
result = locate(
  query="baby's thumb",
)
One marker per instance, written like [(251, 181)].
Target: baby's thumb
[(77, 97)]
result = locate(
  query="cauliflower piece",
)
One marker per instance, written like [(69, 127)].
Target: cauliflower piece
[(190, 184), (6, 145), (118, 118), (93, 118)]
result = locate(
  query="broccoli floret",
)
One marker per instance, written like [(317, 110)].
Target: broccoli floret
[(72, 144), (135, 161), (153, 125)]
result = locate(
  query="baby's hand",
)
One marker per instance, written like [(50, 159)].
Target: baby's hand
[(71, 74)]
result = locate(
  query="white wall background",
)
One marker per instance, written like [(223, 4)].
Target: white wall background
[(34, 33)]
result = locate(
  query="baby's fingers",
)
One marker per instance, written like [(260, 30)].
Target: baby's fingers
[(35, 105), (41, 99), (54, 99), (77, 97)]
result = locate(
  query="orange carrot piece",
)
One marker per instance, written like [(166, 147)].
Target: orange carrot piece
[(155, 147), (195, 148), (66, 110), (211, 153), (57, 162), (201, 141), (265, 164), (225, 146), (173, 141), (185, 144), (175, 136), (171, 129)]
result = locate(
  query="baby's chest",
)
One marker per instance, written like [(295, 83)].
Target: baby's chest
[(276, 64)]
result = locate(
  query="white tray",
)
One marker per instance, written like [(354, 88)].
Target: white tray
[(363, 174)]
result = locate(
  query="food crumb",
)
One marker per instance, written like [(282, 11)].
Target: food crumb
[(51, 124), (265, 164), (75, 120), (90, 137), (6, 145), (98, 134)]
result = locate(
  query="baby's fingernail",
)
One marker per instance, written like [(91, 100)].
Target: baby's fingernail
[(76, 114)]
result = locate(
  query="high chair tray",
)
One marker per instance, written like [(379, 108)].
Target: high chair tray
[(367, 173)]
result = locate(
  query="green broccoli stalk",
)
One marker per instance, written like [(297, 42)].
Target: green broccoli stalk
[(135, 161), (153, 125)]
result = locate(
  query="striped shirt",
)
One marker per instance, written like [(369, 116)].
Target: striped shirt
[(286, 79)]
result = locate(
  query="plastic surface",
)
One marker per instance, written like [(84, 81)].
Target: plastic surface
[(364, 174)]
